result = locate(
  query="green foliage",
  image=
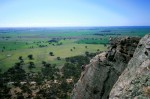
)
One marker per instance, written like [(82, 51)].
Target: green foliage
[(93, 41), (44, 63), (72, 67), (80, 60), (50, 72), (69, 70), (30, 56), (20, 58), (16, 73), (51, 53), (58, 58), (31, 65)]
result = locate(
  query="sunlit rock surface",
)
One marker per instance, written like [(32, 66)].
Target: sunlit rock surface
[(101, 74), (134, 82)]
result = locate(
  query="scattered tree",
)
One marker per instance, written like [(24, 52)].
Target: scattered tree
[(51, 53), (31, 65), (30, 56), (87, 53), (20, 58), (58, 58), (44, 63)]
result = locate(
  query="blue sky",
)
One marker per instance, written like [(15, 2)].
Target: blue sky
[(51, 13)]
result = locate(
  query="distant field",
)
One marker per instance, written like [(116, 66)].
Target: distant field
[(69, 42), (8, 58)]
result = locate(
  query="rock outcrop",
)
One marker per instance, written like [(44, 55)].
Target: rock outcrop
[(134, 82), (101, 74)]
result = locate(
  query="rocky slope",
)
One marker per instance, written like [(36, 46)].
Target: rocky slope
[(134, 82), (100, 75)]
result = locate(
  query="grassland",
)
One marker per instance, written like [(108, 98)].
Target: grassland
[(70, 42), (8, 58)]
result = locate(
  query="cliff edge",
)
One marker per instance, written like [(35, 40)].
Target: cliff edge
[(101, 74)]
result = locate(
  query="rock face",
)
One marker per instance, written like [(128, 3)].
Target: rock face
[(134, 82), (101, 74)]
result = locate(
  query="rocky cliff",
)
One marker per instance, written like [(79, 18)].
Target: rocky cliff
[(101, 74), (134, 82)]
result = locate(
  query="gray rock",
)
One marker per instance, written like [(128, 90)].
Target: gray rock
[(134, 82), (103, 71)]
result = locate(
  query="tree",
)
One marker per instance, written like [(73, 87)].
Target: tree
[(87, 53), (0, 71), (58, 58), (16, 73), (50, 72), (70, 49), (30, 56), (60, 43), (44, 63), (74, 47), (20, 58), (31, 65), (85, 46), (48, 65), (18, 64), (105, 45), (4, 47), (51, 53), (22, 62)]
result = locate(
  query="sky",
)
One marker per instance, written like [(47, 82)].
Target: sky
[(61, 13)]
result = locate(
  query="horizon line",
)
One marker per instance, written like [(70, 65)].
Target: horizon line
[(71, 26)]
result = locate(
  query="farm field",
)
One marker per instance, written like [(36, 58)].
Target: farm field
[(62, 42)]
